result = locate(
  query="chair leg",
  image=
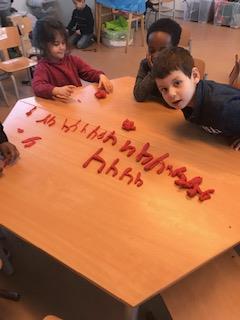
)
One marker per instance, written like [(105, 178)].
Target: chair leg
[(147, 16), (15, 86), (174, 5), (29, 75), (142, 30), (4, 94), (190, 45), (99, 21), (129, 31)]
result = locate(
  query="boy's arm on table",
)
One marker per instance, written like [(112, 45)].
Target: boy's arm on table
[(145, 84)]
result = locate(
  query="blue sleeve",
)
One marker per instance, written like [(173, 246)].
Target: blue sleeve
[(3, 137)]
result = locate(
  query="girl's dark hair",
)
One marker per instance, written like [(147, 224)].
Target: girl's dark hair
[(172, 59), (169, 26), (45, 32)]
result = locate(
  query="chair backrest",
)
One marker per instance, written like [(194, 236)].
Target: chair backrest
[(200, 64), (9, 38), (24, 24), (185, 40)]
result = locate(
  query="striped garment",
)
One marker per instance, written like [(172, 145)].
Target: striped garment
[(5, 5)]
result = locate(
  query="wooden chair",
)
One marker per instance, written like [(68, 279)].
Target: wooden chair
[(131, 17), (200, 64), (25, 27), (158, 7), (11, 39), (186, 40)]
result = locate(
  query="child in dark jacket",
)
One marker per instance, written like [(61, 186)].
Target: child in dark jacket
[(162, 33), (213, 106), (81, 25), (8, 152), (58, 72)]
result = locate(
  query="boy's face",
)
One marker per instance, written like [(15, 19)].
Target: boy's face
[(158, 40), (178, 89), (80, 4)]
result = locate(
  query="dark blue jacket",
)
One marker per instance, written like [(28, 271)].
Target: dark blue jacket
[(81, 20), (216, 109), (3, 137)]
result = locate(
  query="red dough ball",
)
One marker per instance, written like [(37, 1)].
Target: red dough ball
[(128, 125), (100, 94)]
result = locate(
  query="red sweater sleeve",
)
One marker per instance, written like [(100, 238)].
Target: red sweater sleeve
[(41, 83), (86, 72)]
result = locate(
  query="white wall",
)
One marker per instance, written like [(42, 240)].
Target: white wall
[(20, 5), (65, 6)]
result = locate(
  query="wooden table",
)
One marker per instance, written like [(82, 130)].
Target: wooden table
[(131, 242)]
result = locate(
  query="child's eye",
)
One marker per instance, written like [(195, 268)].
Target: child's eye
[(163, 90), (177, 83)]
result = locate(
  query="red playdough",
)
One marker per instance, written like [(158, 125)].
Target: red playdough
[(101, 94), (128, 125)]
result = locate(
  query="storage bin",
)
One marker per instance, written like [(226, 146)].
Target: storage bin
[(112, 38), (227, 14), (199, 11)]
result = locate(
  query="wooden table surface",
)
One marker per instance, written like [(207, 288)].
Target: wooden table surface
[(131, 242)]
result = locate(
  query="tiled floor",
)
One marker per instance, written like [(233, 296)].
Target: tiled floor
[(48, 287)]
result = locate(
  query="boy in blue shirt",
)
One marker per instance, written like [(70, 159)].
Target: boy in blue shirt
[(213, 106)]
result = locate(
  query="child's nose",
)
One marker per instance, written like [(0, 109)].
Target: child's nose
[(172, 92)]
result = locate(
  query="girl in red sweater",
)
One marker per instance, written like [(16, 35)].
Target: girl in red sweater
[(58, 72)]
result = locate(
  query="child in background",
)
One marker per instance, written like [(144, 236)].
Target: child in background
[(8, 152), (81, 25), (162, 33), (213, 106), (58, 72)]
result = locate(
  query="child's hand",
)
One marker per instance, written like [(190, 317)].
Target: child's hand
[(64, 92), (78, 32), (149, 60), (9, 152), (236, 145), (105, 83)]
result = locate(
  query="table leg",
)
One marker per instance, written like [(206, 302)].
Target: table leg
[(131, 313)]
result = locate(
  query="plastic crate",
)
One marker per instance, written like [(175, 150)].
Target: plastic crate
[(199, 11), (227, 14), (112, 38)]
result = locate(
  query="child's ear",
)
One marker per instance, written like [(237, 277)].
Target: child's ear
[(196, 75)]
